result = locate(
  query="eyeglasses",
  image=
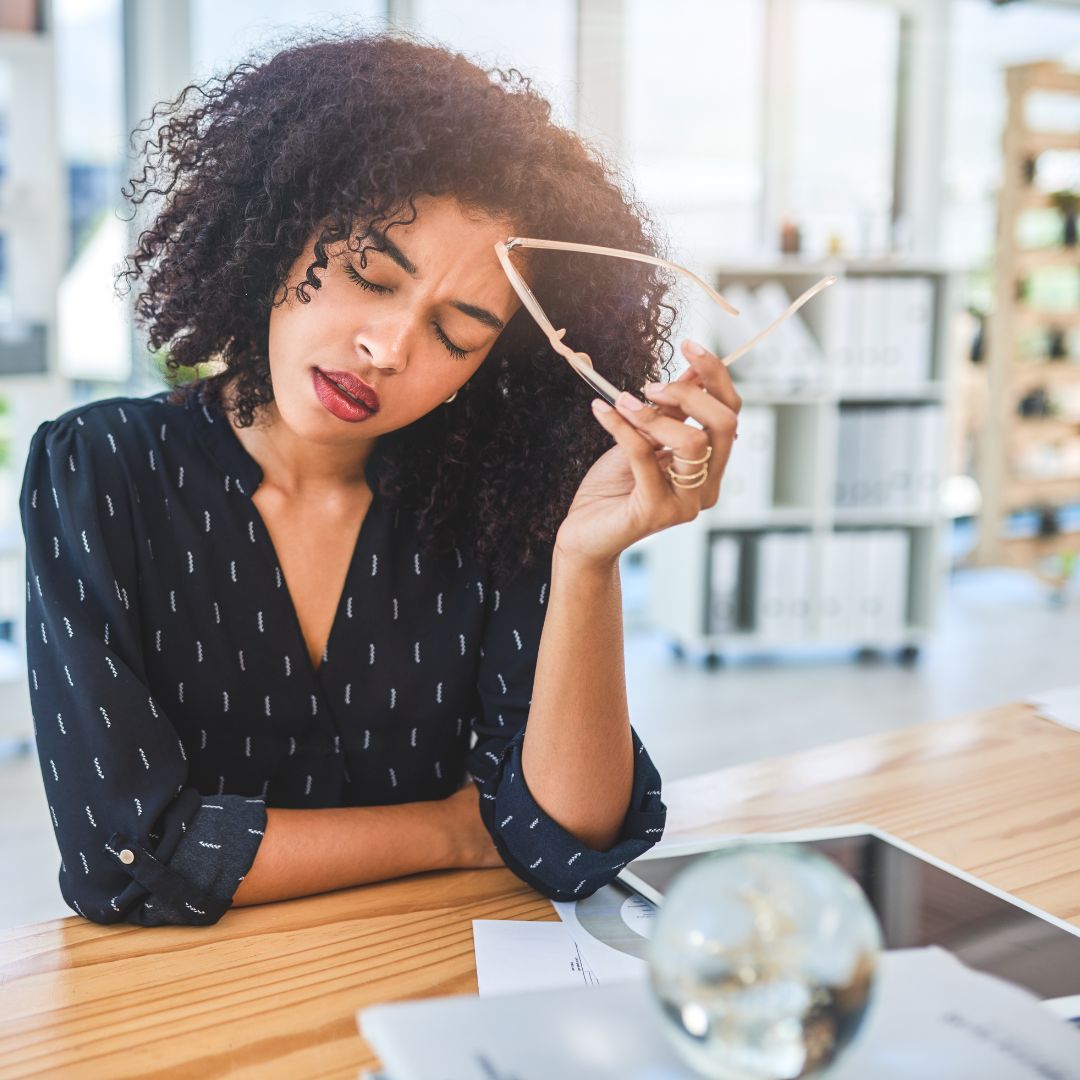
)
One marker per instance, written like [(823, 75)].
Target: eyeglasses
[(582, 362)]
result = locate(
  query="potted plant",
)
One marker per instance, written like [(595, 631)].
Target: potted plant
[(1068, 202)]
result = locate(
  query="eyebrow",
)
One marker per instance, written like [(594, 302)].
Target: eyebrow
[(480, 314)]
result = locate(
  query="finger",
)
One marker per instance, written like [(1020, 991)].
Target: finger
[(687, 375), (685, 440), (714, 376), (639, 452), (718, 421)]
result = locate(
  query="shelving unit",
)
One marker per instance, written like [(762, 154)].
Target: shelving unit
[(1031, 462), (809, 409)]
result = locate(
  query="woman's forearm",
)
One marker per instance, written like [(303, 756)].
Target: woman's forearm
[(578, 754), (312, 851)]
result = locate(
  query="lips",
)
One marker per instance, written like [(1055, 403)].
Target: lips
[(354, 387)]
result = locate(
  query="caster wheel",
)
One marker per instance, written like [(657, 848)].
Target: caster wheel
[(713, 661), (868, 656), (677, 650), (909, 654)]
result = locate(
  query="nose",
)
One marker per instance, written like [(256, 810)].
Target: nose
[(388, 354)]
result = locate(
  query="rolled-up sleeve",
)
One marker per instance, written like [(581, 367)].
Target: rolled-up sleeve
[(138, 843), (532, 844)]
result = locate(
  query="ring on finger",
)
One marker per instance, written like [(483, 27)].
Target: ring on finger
[(694, 461), (680, 478), (695, 480)]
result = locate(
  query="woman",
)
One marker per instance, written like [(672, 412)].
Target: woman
[(268, 612)]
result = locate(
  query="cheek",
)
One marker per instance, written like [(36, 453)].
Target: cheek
[(297, 330)]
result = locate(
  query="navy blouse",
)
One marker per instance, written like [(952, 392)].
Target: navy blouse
[(173, 694)]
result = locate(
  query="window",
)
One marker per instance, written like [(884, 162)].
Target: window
[(224, 34), (841, 125), (538, 39), (94, 326), (692, 103)]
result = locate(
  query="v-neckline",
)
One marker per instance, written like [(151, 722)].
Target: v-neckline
[(298, 629), (223, 437)]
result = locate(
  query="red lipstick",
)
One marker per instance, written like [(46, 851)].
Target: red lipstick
[(345, 395)]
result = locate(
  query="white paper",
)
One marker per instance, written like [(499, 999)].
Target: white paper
[(1061, 706), (932, 1018), (515, 955), (612, 931)]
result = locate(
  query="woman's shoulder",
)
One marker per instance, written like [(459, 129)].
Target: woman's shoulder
[(107, 414), (120, 425)]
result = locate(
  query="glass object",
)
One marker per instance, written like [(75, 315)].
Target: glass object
[(763, 960), (582, 362)]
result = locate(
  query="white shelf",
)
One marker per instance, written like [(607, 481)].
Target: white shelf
[(854, 517), (798, 267), (933, 391), (759, 394), (17, 45), (775, 518), (756, 393), (806, 454)]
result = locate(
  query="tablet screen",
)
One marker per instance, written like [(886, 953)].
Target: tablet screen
[(921, 904)]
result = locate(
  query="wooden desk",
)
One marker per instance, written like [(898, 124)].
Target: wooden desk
[(273, 991)]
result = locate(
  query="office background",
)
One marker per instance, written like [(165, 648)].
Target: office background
[(896, 543)]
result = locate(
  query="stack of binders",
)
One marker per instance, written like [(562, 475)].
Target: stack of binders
[(789, 357), (889, 457), (783, 581), (766, 584), (884, 327), (864, 586), (747, 487)]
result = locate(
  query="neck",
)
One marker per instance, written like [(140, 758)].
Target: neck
[(298, 467)]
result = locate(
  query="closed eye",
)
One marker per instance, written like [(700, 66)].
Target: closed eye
[(451, 348), (363, 282), (354, 275)]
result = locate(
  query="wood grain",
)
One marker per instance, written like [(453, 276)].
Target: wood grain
[(273, 991)]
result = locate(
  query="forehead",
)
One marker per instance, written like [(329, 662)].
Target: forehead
[(446, 235)]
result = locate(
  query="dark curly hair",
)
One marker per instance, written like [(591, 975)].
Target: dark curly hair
[(334, 138)]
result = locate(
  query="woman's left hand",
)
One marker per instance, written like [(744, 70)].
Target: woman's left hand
[(627, 494)]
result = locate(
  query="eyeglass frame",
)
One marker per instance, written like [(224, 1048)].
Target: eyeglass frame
[(581, 362)]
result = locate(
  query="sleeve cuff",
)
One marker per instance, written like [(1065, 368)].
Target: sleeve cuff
[(544, 854), (197, 883)]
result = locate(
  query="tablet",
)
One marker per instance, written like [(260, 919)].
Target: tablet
[(919, 900)]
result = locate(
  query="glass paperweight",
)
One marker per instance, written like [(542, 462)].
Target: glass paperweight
[(763, 959)]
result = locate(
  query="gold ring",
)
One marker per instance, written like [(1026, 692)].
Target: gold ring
[(685, 480), (679, 481), (697, 461)]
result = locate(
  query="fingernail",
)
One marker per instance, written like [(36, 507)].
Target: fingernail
[(628, 401), (600, 406), (655, 388), (693, 348)]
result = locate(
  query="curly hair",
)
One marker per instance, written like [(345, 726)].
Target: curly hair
[(334, 138)]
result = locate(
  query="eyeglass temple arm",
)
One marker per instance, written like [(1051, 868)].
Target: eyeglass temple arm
[(580, 362), (618, 253), (583, 365), (824, 283)]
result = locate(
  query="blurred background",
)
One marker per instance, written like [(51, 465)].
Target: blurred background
[(896, 540)]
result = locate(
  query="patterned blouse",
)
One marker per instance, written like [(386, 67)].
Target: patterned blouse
[(174, 698)]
